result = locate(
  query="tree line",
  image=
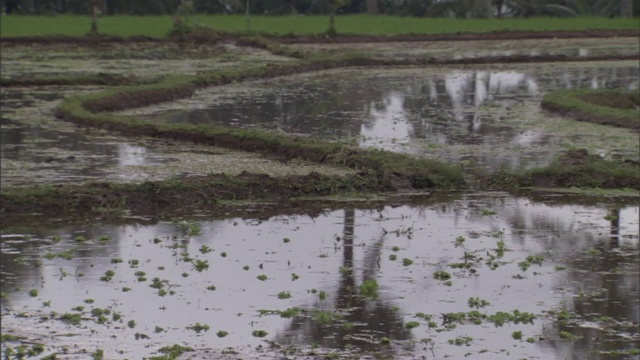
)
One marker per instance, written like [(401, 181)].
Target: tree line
[(429, 8)]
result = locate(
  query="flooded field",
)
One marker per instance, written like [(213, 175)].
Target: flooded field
[(485, 117), (484, 275), (471, 49), (440, 276), (139, 59)]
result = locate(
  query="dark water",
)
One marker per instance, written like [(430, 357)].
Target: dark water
[(589, 268), (485, 116)]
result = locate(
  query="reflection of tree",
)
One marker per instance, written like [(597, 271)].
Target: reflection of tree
[(607, 280), (372, 318)]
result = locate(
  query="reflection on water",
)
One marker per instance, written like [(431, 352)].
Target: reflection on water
[(590, 267), (489, 115)]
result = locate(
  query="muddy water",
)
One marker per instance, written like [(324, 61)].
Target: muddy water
[(587, 264), (486, 117)]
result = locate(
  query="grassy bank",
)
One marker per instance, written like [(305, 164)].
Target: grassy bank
[(159, 26), (610, 107)]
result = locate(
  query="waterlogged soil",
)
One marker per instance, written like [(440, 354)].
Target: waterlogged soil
[(143, 60), (483, 117), (581, 47), (233, 278), (38, 148)]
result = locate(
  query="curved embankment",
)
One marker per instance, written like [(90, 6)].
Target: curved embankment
[(379, 170), (608, 107)]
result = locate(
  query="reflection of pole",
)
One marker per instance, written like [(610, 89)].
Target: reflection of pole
[(614, 217), (348, 283)]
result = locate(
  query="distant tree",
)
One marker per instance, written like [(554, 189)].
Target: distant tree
[(335, 5), (626, 8), (94, 8), (374, 7)]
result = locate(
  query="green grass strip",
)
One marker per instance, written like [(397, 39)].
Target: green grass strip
[(607, 106), (159, 26)]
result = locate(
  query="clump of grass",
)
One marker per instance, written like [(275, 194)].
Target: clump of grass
[(172, 352), (72, 319), (369, 289), (412, 324), (461, 340), (259, 333), (616, 107), (441, 275)]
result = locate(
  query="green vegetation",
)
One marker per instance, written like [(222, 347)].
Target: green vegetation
[(197, 327), (160, 26), (441, 275), (369, 289), (259, 333), (612, 107), (412, 324), (578, 168), (171, 352)]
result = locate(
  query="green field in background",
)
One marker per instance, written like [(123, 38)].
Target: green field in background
[(159, 26)]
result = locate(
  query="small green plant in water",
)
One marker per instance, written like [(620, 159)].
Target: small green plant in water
[(517, 335), (259, 333), (461, 340), (204, 249), (290, 312), (568, 336), (103, 239), (173, 351), (393, 257), (407, 262), (197, 327), (73, 319), (441, 275), (284, 295), (262, 277), (412, 324), (477, 303), (200, 265), (222, 333), (369, 289), (487, 212), (33, 292)]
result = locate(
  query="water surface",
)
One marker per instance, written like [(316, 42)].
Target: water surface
[(484, 117), (589, 267)]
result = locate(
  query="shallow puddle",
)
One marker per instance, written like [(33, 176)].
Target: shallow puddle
[(479, 116), (389, 280)]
